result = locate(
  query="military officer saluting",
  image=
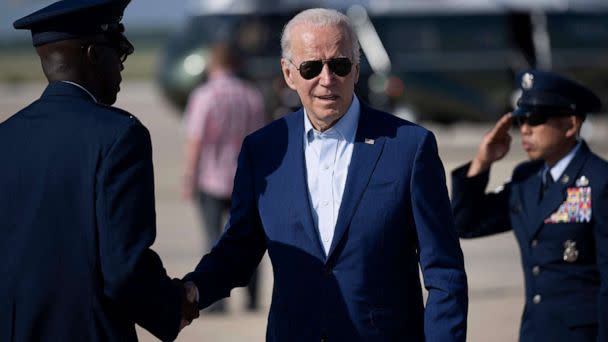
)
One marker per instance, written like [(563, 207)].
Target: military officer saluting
[(77, 194), (556, 204)]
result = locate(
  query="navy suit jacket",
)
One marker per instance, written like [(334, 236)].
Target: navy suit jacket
[(76, 223), (571, 296), (395, 215)]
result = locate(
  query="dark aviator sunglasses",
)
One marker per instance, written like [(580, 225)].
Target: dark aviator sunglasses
[(310, 69), (532, 120), (540, 116)]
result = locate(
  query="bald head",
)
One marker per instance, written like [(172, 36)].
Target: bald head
[(92, 62), (63, 60)]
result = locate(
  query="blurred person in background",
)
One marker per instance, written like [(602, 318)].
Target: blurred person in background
[(220, 113), (77, 195), (556, 204), (349, 201)]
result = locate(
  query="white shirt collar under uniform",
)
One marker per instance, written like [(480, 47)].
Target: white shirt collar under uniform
[(558, 169), (81, 87)]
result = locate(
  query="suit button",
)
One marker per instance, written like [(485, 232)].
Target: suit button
[(536, 299), (536, 270), (534, 243)]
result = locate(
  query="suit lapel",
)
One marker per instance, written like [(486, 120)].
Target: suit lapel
[(301, 196), (362, 164), (556, 194)]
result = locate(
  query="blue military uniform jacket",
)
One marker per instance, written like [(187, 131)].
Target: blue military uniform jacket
[(394, 216), (563, 241), (76, 223)]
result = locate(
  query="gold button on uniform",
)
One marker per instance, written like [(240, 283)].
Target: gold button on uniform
[(536, 299), (534, 243), (536, 270)]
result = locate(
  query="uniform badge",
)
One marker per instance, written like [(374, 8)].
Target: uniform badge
[(527, 81), (583, 181), (369, 141), (565, 179), (570, 251), (576, 208)]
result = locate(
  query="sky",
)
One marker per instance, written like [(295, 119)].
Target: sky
[(138, 15), (142, 14)]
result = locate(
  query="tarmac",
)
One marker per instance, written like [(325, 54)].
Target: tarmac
[(492, 263)]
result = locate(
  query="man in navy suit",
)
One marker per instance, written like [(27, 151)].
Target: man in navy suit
[(77, 195), (556, 204), (348, 201)]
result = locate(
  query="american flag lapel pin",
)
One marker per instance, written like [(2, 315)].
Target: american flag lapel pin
[(369, 141)]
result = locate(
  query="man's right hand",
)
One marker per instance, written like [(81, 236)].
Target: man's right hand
[(494, 146), (189, 305)]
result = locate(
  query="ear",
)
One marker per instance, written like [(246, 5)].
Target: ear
[(91, 54), (356, 75), (287, 74), (574, 124)]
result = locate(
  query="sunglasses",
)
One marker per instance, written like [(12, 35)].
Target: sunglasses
[(530, 120), (120, 44), (311, 69)]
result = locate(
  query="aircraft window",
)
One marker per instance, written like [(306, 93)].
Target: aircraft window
[(260, 35), (578, 31), (212, 28), (442, 33)]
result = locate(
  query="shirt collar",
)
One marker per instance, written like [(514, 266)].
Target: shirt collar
[(346, 125), (81, 87), (562, 164)]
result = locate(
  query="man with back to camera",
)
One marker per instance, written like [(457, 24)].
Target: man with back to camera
[(348, 201), (77, 195), (556, 204)]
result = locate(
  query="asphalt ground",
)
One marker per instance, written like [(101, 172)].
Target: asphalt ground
[(492, 263)]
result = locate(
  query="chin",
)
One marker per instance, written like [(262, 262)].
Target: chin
[(329, 113), (534, 156)]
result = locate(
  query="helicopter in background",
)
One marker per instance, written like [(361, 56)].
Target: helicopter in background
[(444, 61)]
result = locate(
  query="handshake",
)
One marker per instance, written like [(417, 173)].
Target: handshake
[(189, 303)]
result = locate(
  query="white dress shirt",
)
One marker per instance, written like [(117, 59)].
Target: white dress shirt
[(328, 156)]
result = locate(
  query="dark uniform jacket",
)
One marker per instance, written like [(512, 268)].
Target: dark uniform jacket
[(76, 223), (563, 241)]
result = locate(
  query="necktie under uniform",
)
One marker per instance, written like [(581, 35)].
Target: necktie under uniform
[(547, 182)]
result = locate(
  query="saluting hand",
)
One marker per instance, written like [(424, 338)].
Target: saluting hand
[(494, 146)]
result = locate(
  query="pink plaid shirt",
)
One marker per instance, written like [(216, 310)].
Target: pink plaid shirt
[(221, 113)]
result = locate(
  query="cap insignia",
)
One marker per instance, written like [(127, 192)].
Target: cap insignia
[(527, 81)]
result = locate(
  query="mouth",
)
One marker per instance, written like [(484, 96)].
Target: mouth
[(527, 146), (328, 97)]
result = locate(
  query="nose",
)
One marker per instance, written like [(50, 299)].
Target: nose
[(525, 129), (326, 77)]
